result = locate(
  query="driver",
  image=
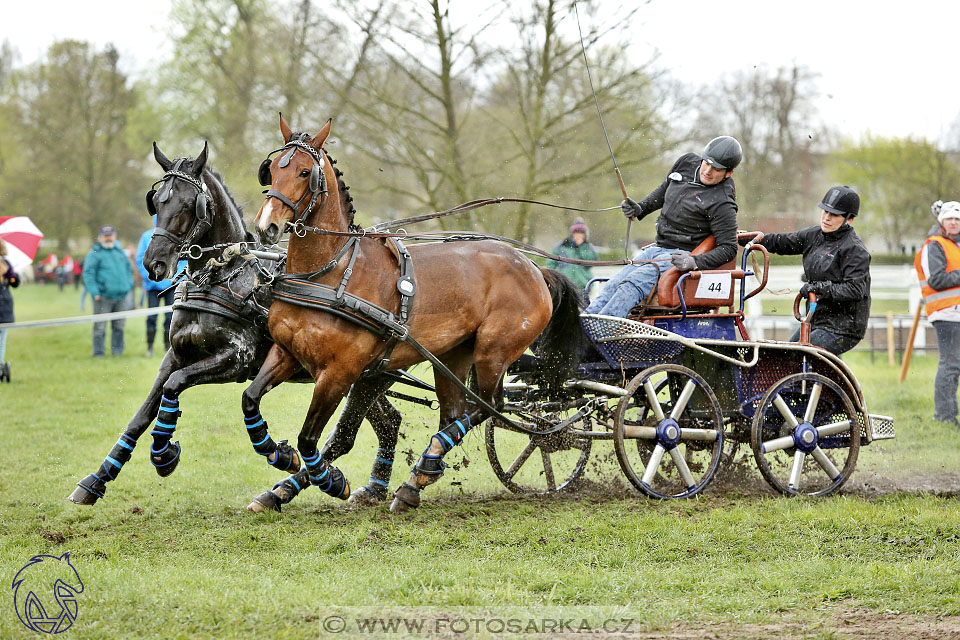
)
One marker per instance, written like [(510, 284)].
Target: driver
[(698, 199), (836, 267)]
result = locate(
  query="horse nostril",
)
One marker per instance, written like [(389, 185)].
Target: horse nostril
[(159, 270)]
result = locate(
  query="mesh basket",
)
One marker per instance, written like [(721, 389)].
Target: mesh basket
[(882, 427), (648, 345)]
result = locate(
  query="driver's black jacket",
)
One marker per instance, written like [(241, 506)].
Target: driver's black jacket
[(838, 267), (692, 211)]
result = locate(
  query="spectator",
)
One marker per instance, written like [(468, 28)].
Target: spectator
[(938, 268), (836, 267), (698, 199), (109, 279), (8, 278), (153, 291), (77, 273), (576, 247)]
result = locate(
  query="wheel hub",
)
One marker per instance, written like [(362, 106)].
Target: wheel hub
[(805, 437), (668, 433)]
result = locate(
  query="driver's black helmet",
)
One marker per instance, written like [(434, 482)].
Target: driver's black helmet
[(841, 200), (723, 152)]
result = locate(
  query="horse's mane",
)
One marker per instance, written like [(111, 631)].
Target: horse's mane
[(346, 200)]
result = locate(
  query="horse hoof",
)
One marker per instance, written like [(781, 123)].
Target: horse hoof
[(167, 459), (366, 497), (405, 499), (82, 496), (264, 501), (345, 494)]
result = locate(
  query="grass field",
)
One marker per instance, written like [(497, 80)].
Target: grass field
[(180, 557)]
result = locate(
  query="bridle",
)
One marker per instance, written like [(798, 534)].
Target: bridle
[(318, 180), (203, 221)]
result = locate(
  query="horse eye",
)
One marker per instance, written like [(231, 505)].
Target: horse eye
[(304, 173)]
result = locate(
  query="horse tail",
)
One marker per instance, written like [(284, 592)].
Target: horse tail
[(559, 347)]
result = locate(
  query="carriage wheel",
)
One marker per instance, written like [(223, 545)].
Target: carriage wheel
[(805, 435), (669, 432), (538, 464)]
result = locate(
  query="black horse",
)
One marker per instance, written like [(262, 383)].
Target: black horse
[(218, 332)]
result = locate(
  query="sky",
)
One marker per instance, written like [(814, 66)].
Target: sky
[(887, 68)]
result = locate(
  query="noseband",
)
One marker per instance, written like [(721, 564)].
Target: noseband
[(318, 180), (203, 221)]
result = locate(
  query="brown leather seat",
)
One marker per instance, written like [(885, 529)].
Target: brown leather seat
[(664, 298)]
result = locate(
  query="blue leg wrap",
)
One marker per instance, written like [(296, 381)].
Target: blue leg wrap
[(450, 436), (259, 437), (382, 469), (327, 478), (165, 455), (166, 423)]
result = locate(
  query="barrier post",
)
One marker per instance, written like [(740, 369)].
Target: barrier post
[(891, 343)]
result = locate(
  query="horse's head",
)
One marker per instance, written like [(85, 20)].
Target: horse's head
[(181, 203), (301, 177)]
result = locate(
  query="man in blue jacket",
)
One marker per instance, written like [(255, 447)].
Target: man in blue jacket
[(109, 279), (153, 291)]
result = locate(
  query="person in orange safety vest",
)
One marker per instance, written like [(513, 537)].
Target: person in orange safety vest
[(938, 268)]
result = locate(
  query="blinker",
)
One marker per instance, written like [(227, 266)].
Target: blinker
[(263, 174)]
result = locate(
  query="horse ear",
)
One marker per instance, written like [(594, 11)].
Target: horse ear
[(161, 159), (320, 138), (201, 160), (285, 129)]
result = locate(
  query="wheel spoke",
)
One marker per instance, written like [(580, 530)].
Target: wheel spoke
[(785, 411), (644, 433), (812, 403), (548, 470), (682, 467), (708, 435), (683, 399), (777, 444), (509, 473), (826, 464), (797, 469), (652, 398), (833, 428), (653, 464)]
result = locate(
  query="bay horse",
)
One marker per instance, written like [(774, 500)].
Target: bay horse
[(475, 305), (218, 331)]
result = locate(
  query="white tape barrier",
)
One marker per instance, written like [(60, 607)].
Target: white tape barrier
[(98, 317)]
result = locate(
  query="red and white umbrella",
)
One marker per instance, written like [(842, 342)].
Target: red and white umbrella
[(22, 238)]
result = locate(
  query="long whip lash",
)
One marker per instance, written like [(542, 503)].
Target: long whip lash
[(616, 167)]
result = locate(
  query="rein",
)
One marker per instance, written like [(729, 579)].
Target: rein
[(301, 230)]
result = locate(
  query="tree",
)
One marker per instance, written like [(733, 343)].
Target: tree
[(74, 170), (897, 179), (548, 130), (771, 113)]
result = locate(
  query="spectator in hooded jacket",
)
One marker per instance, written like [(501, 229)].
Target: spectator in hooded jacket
[(836, 267), (938, 267), (109, 279), (577, 247), (8, 278)]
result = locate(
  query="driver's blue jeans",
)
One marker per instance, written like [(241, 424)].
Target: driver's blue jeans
[(632, 284)]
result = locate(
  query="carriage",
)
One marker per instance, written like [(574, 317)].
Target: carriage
[(679, 386)]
